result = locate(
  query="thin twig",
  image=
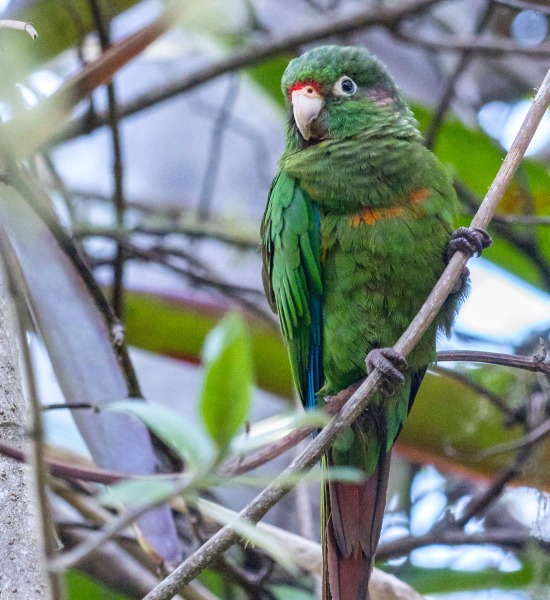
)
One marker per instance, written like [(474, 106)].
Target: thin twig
[(538, 434), (118, 165), (451, 537), (491, 46), (525, 5), (205, 279), (39, 204), (522, 220), (479, 503), (536, 363), (525, 245), (68, 559), (256, 509), (449, 88), (215, 148), (66, 470), (190, 230)]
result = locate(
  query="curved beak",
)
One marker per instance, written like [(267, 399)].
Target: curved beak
[(306, 106)]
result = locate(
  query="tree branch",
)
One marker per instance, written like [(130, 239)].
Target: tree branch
[(536, 363), (493, 46), (452, 537), (118, 165)]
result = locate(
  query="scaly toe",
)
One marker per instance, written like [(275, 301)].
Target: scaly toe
[(471, 241), (390, 363)]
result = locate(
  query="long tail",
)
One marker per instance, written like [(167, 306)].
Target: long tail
[(352, 521)]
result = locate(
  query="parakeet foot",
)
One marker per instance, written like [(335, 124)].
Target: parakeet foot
[(390, 363), (469, 240), (462, 283)]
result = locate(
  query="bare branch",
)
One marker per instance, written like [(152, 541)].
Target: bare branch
[(448, 91), (67, 470), (456, 537), (492, 46), (118, 166), (525, 5), (535, 363)]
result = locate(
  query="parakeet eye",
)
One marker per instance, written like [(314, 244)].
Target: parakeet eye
[(345, 86)]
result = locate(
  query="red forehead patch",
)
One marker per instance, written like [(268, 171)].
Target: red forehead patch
[(302, 84)]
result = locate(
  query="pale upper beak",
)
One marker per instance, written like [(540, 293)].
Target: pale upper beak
[(306, 106)]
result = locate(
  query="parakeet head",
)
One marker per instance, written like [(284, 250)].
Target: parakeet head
[(335, 91)]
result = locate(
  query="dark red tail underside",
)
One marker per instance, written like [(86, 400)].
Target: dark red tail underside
[(354, 514)]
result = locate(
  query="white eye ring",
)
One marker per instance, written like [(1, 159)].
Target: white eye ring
[(345, 86)]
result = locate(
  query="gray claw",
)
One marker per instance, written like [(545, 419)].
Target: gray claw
[(470, 241), (390, 363)]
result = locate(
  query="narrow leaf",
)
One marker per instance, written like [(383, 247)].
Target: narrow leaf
[(228, 374)]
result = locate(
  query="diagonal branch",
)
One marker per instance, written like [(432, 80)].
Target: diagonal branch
[(223, 540)]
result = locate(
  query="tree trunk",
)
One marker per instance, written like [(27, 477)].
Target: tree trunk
[(21, 550)]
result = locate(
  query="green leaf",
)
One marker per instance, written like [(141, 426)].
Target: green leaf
[(249, 531), (188, 440), (228, 375), (81, 587), (138, 492)]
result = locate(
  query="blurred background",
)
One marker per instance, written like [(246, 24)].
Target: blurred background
[(160, 179)]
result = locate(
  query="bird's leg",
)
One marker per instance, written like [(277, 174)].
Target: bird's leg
[(390, 363), (470, 241)]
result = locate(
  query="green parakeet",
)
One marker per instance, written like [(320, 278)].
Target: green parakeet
[(355, 235)]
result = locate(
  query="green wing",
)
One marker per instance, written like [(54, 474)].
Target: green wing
[(292, 277)]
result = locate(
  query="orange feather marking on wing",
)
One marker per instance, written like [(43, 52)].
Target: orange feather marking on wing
[(369, 216)]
